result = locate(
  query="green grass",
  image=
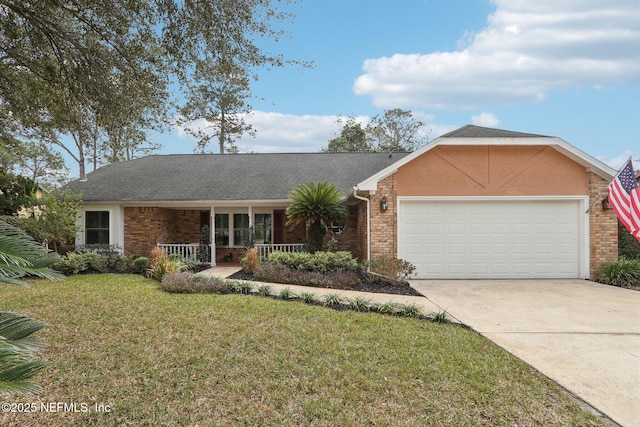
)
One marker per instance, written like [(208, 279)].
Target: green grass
[(189, 359)]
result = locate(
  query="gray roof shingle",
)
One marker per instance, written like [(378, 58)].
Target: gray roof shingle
[(472, 131), (192, 177)]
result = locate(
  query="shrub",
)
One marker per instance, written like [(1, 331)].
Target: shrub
[(307, 297), (286, 294), (332, 300), (624, 272), (244, 288), (359, 303), (189, 283), (161, 264), (251, 260), (71, 263), (628, 246), (283, 274), (94, 262), (264, 290), (140, 265), (394, 271), (319, 262)]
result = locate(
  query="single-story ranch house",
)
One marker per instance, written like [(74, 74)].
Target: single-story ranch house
[(474, 203)]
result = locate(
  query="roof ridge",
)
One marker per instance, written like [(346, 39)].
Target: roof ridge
[(475, 131)]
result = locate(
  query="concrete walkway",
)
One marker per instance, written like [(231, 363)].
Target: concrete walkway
[(583, 335)]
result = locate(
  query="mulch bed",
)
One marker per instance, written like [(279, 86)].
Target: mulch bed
[(378, 286)]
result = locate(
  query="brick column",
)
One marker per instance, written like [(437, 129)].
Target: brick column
[(384, 242), (603, 226)]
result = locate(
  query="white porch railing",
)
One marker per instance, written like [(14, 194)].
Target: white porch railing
[(185, 250), (265, 250), (190, 250)]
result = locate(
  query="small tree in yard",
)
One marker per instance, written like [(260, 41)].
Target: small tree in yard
[(316, 205), (55, 223)]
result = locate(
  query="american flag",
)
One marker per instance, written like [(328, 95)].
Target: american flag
[(624, 197)]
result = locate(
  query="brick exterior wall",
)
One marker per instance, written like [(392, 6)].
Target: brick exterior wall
[(347, 239), (144, 227), (603, 226), (384, 223)]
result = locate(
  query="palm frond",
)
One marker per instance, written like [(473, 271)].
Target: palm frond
[(14, 378), (22, 256), (17, 351), (16, 326)]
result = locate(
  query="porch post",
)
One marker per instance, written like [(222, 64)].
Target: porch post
[(212, 235), (252, 230)]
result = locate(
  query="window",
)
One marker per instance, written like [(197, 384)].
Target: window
[(240, 229), (97, 227), (222, 229), (232, 229), (262, 228)]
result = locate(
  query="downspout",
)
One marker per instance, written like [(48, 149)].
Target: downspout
[(355, 194)]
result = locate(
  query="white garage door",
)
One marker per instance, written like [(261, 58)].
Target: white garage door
[(491, 239)]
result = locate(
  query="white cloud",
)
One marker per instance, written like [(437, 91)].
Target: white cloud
[(486, 120), (620, 160), (527, 50), (282, 133)]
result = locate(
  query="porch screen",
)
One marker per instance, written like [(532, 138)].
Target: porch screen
[(97, 227)]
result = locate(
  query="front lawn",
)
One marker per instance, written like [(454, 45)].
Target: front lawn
[(146, 357)]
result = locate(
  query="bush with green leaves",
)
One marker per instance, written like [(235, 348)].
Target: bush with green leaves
[(140, 265), (93, 262), (624, 272), (319, 262)]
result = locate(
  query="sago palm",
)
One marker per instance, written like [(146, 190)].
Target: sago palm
[(317, 205), (20, 256)]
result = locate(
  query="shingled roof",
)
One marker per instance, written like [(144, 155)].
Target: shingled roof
[(199, 177), (472, 131)]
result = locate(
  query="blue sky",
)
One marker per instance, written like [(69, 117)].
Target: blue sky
[(567, 68)]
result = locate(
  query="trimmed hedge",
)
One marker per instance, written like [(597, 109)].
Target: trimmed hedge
[(318, 262), (93, 262)]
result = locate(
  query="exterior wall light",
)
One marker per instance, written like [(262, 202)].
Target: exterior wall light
[(384, 203), (606, 204)]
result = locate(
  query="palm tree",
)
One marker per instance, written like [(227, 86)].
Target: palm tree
[(316, 205), (20, 256)]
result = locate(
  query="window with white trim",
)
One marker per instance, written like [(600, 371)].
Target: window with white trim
[(240, 229), (262, 228), (96, 225), (222, 229)]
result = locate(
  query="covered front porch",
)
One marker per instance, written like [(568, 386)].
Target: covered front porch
[(222, 231)]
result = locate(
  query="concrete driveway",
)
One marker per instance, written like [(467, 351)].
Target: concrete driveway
[(583, 335)]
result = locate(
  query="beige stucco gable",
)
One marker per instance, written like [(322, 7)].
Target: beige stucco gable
[(477, 170)]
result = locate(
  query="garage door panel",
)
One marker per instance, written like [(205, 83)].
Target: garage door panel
[(491, 239)]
